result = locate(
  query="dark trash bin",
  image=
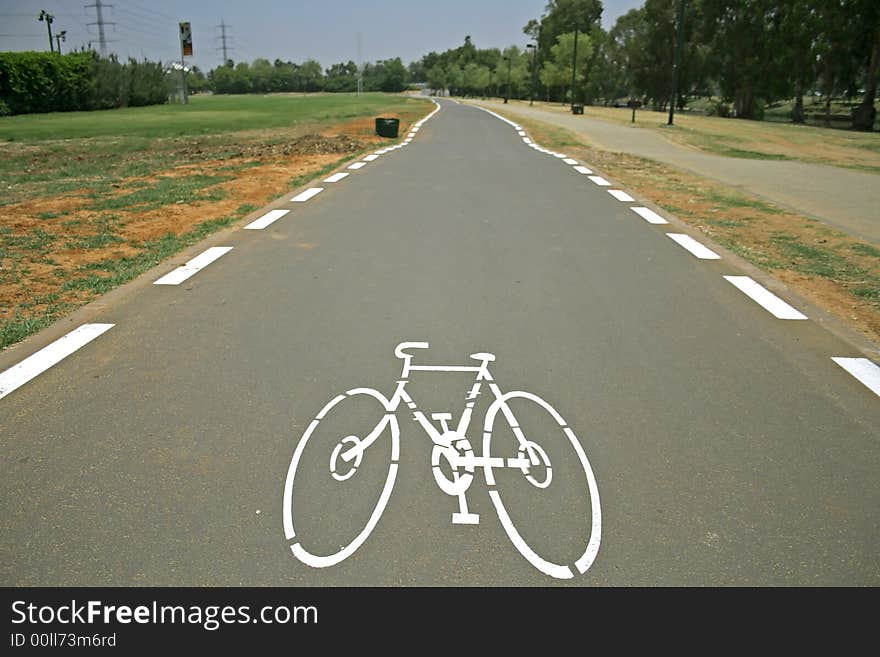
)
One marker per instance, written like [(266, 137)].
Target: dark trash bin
[(577, 109), (387, 127)]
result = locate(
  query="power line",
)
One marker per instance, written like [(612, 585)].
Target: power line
[(151, 11)]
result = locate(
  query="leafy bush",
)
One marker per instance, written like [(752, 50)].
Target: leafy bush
[(49, 82), (719, 108)]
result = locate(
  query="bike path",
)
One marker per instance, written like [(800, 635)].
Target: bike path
[(728, 448), (843, 198)]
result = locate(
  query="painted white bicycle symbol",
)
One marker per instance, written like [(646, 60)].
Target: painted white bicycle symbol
[(452, 452)]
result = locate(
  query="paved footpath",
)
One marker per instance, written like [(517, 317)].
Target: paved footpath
[(680, 422), (843, 198)]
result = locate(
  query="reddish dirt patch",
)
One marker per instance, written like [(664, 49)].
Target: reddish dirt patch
[(48, 241)]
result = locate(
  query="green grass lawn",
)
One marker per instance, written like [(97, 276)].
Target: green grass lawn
[(204, 115)]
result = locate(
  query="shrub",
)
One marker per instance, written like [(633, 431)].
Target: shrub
[(49, 82)]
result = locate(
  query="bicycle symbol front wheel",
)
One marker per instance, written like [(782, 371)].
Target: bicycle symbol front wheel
[(539, 472), (330, 492)]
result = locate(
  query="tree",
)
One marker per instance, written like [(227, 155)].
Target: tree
[(798, 27), (437, 78), (476, 78), (261, 76), (341, 77), (309, 76), (868, 43), (562, 54)]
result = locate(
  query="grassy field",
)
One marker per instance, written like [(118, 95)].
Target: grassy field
[(838, 273), (752, 139), (92, 199)]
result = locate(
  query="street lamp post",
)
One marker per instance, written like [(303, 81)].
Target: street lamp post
[(574, 66), (48, 18), (507, 95), (534, 50), (61, 36), (676, 61)]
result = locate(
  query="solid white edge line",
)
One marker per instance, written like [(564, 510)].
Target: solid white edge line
[(309, 193), (649, 215), (35, 364), (182, 273), (690, 244), (270, 217), (764, 298), (621, 195), (336, 177), (866, 371)]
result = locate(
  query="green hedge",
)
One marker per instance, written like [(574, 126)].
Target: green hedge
[(48, 82)]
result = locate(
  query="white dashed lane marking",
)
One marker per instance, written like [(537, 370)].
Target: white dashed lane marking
[(336, 177), (34, 365), (649, 215), (583, 170), (270, 217), (370, 158), (569, 160), (599, 180), (201, 261), (309, 193), (357, 165), (867, 372), (621, 196), (764, 298), (692, 245)]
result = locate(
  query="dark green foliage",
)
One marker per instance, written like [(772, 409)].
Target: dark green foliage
[(47, 82), (263, 77)]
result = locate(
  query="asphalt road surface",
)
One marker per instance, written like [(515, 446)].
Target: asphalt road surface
[(727, 446)]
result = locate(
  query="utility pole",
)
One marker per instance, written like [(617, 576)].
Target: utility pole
[(61, 36), (574, 57), (676, 60), (102, 38), (534, 49), (223, 39), (507, 95), (48, 18)]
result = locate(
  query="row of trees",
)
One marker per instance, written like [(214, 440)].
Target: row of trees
[(748, 53), (50, 82), (263, 76)]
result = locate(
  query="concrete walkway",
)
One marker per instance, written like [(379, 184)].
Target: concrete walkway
[(845, 199)]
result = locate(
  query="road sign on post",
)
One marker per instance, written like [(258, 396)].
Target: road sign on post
[(186, 41), (186, 50)]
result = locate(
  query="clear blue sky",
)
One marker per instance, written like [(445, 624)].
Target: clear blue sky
[(286, 29)]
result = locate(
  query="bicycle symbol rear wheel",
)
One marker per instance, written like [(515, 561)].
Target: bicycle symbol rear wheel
[(531, 448), (331, 470)]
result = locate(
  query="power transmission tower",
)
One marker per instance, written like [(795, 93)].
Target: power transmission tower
[(223, 38), (102, 39)]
